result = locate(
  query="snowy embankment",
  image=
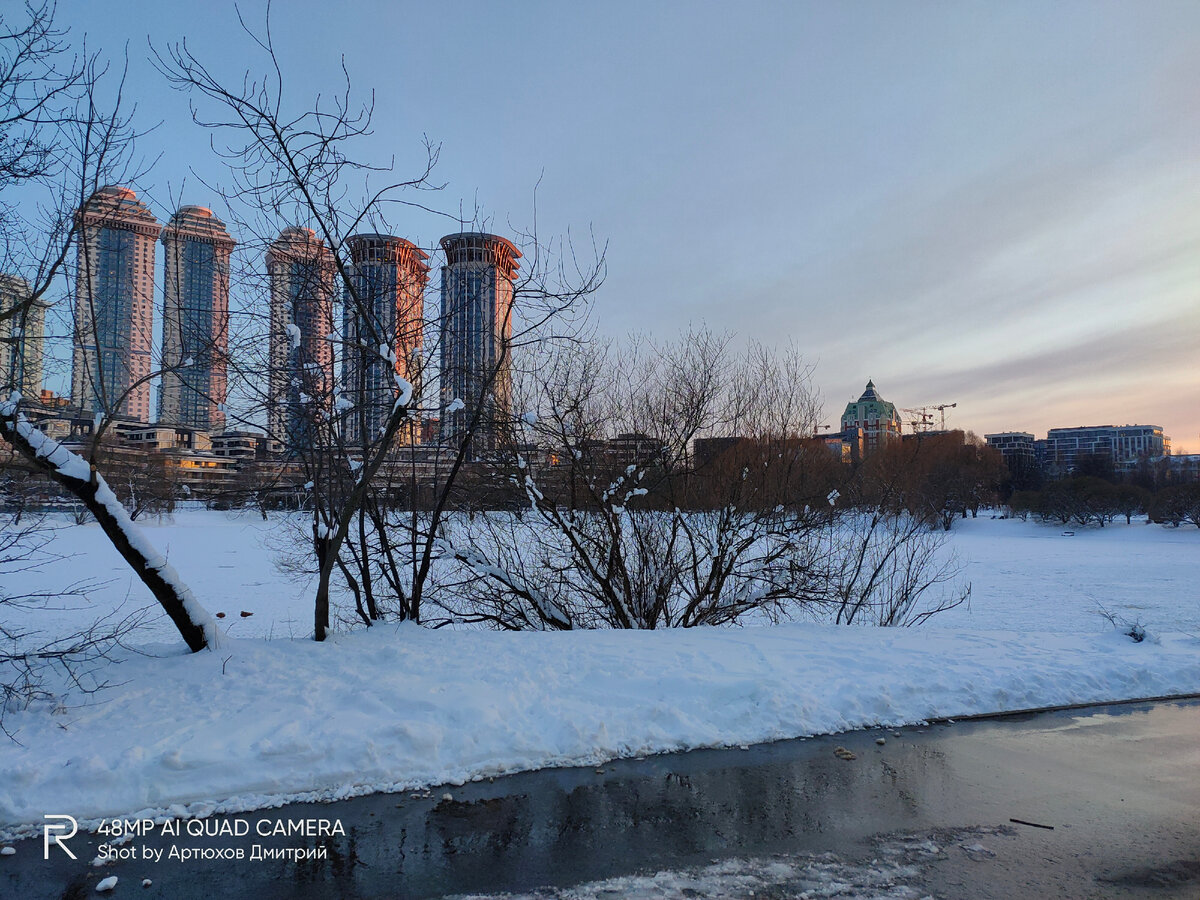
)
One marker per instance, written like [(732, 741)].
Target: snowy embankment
[(263, 722)]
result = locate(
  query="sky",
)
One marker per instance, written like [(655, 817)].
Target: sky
[(990, 204)]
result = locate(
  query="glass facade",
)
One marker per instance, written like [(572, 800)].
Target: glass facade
[(21, 338), (195, 311), (301, 351), (113, 310), (114, 305), (381, 311), (307, 365), (368, 322), (476, 325)]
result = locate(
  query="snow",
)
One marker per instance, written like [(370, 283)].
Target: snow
[(398, 707), (455, 405), (404, 397), (71, 465), (825, 876), (1029, 575), (67, 463), (9, 406), (137, 538), (294, 335), (106, 884)]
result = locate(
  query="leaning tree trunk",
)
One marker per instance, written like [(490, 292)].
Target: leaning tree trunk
[(81, 479)]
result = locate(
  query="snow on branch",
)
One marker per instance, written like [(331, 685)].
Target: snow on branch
[(406, 392), (76, 474), (548, 610)]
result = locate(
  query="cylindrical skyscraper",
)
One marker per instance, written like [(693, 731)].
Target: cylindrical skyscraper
[(382, 313), (195, 319), (114, 304), (300, 376), (476, 326), (21, 338)]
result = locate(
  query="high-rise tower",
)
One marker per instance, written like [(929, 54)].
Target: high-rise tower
[(195, 319), (476, 326), (114, 304), (389, 278), (21, 336), (300, 377)]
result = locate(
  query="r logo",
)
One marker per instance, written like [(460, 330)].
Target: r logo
[(54, 834)]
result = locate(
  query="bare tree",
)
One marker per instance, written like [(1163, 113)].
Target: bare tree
[(42, 83), (297, 172), (293, 174), (61, 141), (675, 495), (889, 568)]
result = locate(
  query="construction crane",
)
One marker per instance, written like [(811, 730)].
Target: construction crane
[(942, 409), (921, 417)]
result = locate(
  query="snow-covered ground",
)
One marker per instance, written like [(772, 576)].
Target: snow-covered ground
[(265, 721), (1025, 576), (1029, 576)]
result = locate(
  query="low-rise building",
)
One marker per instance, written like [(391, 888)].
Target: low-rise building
[(1124, 445), (166, 437), (1017, 447), (244, 445)]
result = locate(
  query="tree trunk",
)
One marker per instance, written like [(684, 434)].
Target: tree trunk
[(165, 591), (325, 571), (94, 493)]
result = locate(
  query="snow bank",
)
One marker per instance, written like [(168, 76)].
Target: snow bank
[(397, 707)]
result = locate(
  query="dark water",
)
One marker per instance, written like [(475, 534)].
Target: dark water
[(1120, 785)]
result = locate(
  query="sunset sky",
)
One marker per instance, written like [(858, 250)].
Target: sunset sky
[(992, 204)]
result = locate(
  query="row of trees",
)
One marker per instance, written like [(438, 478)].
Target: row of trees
[(1087, 500), (934, 478)]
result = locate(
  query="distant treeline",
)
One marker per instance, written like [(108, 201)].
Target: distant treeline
[(1087, 499)]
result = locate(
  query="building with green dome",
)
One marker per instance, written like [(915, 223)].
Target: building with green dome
[(869, 423)]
